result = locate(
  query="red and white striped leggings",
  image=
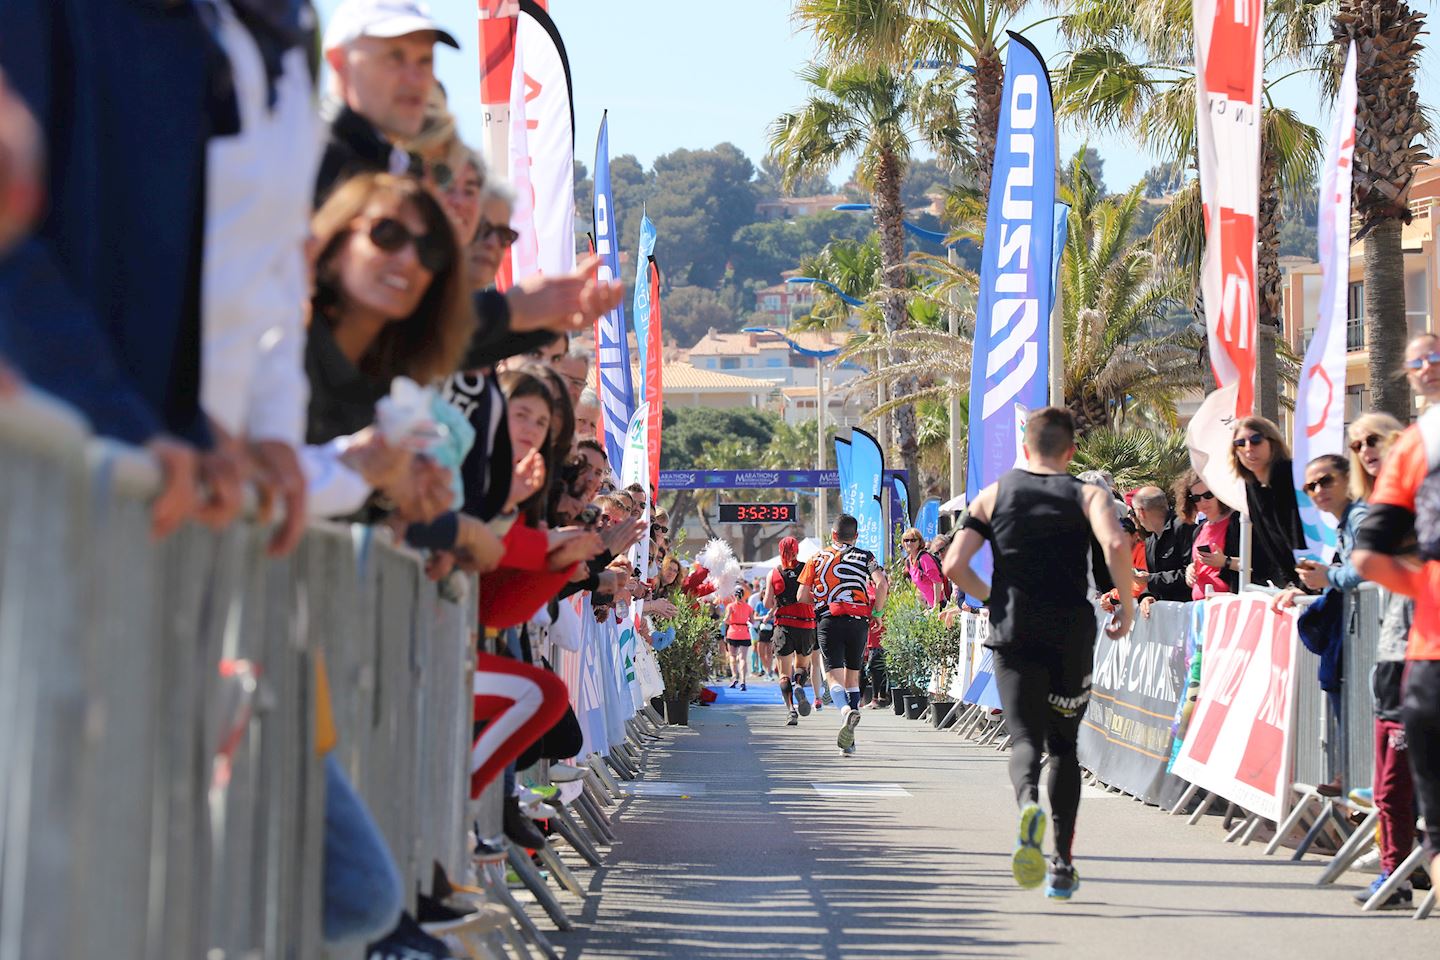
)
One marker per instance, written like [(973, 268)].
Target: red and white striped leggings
[(517, 703)]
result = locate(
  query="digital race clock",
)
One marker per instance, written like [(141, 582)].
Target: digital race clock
[(757, 513)]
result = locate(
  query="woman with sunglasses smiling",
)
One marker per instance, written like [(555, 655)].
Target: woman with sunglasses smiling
[(390, 300), (1370, 436), (1260, 457), (1327, 482)]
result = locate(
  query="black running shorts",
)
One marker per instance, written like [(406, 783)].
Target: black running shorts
[(797, 641), (842, 641), (739, 643), (767, 635)]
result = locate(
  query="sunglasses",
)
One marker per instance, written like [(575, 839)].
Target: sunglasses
[(503, 234), (392, 236), (1371, 441), (1194, 498), (1416, 363), (1320, 483), (1254, 440), (909, 539)]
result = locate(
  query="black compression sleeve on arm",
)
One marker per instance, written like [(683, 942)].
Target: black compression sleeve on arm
[(979, 526)]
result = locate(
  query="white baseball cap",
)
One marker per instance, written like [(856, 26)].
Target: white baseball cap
[(354, 19)]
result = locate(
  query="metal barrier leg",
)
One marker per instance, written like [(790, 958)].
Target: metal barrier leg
[(1360, 841), (535, 883), (492, 874), (1392, 882), (595, 818), (597, 763), (1201, 810), (1255, 824), (566, 826), (560, 871), (1327, 820), (655, 718), (1302, 803), (1185, 799), (1241, 827), (1426, 905)]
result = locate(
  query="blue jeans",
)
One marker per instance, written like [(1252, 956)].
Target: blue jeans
[(363, 891)]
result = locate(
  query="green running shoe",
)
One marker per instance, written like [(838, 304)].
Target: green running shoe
[(1028, 862)]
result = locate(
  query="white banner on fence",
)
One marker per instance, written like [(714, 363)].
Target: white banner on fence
[(1240, 742)]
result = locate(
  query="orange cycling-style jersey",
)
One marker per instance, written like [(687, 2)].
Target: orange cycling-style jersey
[(839, 579), (1394, 515)]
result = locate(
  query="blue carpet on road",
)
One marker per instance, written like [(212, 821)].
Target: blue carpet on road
[(765, 693)]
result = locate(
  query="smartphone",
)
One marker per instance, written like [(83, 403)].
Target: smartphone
[(588, 517)]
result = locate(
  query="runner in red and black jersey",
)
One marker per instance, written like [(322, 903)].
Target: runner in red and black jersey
[(1398, 547), (837, 581), (794, 629)]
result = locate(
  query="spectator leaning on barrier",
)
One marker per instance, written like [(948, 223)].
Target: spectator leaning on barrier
[(1215, 557), (382, 61), (103, 302), (1168, 541), (1260, 457), (1327, 482), (1398, 547), (257, 220), (1372, 436)]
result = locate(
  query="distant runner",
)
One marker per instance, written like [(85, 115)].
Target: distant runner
[(738, 614), (794, 629), (1040, 522), (837, 581)]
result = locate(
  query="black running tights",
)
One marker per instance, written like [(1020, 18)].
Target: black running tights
[(1420, 709), (1044, 691)]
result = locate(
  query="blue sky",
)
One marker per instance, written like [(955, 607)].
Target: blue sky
[(683, 73)]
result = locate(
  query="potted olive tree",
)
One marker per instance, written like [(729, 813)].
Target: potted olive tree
[(685, 663), (904, 617), (943, 648)]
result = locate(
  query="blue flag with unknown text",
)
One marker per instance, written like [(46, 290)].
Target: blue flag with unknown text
[(928, 520), (847, 489), (1009, 371), (613, 378), (867, 471), (641, 319)]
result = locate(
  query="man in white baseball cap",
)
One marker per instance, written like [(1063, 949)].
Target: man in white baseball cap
[(382, 62)]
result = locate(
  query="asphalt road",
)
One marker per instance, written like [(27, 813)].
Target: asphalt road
[(746, 838)]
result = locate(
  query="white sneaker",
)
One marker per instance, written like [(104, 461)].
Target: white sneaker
[(565, 773)]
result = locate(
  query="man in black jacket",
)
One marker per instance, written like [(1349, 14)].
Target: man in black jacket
[(1168, 541)]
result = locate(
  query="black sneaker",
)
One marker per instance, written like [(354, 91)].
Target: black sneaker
[(794, 719), (1063, 880), (520, 828), (733, 684), (802, 702), (408, 942)]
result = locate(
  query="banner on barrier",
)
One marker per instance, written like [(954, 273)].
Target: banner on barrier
[(1126, 735), (1240, 741)]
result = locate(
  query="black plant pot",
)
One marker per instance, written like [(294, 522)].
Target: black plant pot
[(915, 706), (897, 701), (677, 712), (939, 711), (658, 705)]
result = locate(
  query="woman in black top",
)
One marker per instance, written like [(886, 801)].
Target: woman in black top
[(390, 300), (1260, 457)]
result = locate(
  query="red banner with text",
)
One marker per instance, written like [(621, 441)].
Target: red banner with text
[(1240, 741)]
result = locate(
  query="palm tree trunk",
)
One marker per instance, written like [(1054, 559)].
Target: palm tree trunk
[(1267, 387), (889, 220), (1385, 318), (988, 87)]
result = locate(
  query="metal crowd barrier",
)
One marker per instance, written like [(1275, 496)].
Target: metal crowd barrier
[(161, 793)]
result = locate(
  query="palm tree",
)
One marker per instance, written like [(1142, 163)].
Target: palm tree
[(1132, 70), (964, 34), (1127, 360), (1134, 457), (1125, 356), (881, 116), (1389, 132)]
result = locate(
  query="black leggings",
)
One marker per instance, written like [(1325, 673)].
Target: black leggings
[(1044, 691), (1420, 711)]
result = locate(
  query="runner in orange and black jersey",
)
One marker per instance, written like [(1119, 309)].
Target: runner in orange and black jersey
[(837, 581)]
